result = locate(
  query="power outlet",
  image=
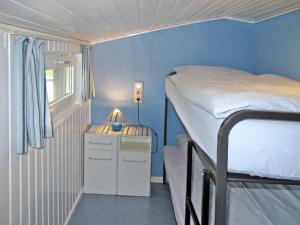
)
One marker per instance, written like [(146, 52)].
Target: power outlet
[(139, 91)]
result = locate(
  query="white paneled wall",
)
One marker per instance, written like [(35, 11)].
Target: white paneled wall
[(42, 187), (4, 144), (45, 184)]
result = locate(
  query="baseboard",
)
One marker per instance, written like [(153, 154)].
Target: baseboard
[(156, 179), (74, 207)]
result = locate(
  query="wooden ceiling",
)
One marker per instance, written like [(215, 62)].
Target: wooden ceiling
[(99, 20)]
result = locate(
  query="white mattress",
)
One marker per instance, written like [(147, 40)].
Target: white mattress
[(176, 176), (256, 147), (247, 204), (222, 91)]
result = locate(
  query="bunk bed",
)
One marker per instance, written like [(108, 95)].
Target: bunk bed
[(240, 147)]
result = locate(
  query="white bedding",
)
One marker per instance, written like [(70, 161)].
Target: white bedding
[(262, 148), (176, 176), (247, 204), (222, 91)]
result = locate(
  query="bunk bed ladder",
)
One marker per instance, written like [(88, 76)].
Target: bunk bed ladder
[(206, 176)]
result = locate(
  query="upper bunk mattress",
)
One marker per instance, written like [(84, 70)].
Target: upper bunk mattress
[(256, 147), (222, 91)]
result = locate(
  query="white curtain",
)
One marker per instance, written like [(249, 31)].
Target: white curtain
[(88, 85), (33, 122)]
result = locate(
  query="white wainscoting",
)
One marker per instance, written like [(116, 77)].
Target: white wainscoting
[(4, 124), (46, 184), (40, 188)]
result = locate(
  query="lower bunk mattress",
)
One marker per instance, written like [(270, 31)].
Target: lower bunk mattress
[(256, 147), (248, 204)]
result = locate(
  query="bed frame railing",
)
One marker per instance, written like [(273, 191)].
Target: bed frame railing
[(218, 173)]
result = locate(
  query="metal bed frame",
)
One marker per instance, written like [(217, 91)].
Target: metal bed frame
[(218, 173)]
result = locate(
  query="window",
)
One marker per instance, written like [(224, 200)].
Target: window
[(61, 80), (59, 76)]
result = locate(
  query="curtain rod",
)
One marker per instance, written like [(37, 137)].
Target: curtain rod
[(16, 30)]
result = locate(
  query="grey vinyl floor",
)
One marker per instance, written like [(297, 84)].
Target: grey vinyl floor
[(125, 210)]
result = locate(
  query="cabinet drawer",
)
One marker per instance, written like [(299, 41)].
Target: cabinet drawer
[(134, 173), (98, 142), (100, 171)]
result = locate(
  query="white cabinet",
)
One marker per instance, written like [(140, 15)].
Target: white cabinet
[(100, 164), (117, 162), (134, 166), (100, 172)]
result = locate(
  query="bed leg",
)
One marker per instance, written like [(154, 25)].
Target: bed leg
[(188, 183), (165, 136), (166, 121), (220, 203), (205, 198), (221, 179), (164, 175)]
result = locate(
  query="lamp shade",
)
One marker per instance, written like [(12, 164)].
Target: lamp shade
[(116, 116)]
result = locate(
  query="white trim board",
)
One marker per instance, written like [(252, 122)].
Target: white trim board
[(167, 27), (277, 15), (74, 207), (12, 29), (157, 179)]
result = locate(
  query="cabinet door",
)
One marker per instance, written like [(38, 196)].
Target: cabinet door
[(134, 173), (100, 170)]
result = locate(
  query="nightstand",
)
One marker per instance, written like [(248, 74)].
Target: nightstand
[(117, 162)]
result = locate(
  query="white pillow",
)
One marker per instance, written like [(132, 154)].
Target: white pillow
[(208, 69)]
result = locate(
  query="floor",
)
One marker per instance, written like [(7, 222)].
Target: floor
[(124, 210)]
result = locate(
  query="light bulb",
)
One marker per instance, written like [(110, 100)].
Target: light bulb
[(116, 110)]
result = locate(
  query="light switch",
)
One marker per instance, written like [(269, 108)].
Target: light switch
[(138, 91)]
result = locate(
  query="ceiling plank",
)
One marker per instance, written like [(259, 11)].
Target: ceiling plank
[(109, 19)]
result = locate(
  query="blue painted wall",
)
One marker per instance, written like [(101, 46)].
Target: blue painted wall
[(149, 57), (271, 46), (278, 45)]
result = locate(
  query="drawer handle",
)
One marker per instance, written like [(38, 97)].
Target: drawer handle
[(99, 143), (103, 159), (134, 161)]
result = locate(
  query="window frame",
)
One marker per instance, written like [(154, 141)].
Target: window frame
[(66, 103), (67, 94)]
